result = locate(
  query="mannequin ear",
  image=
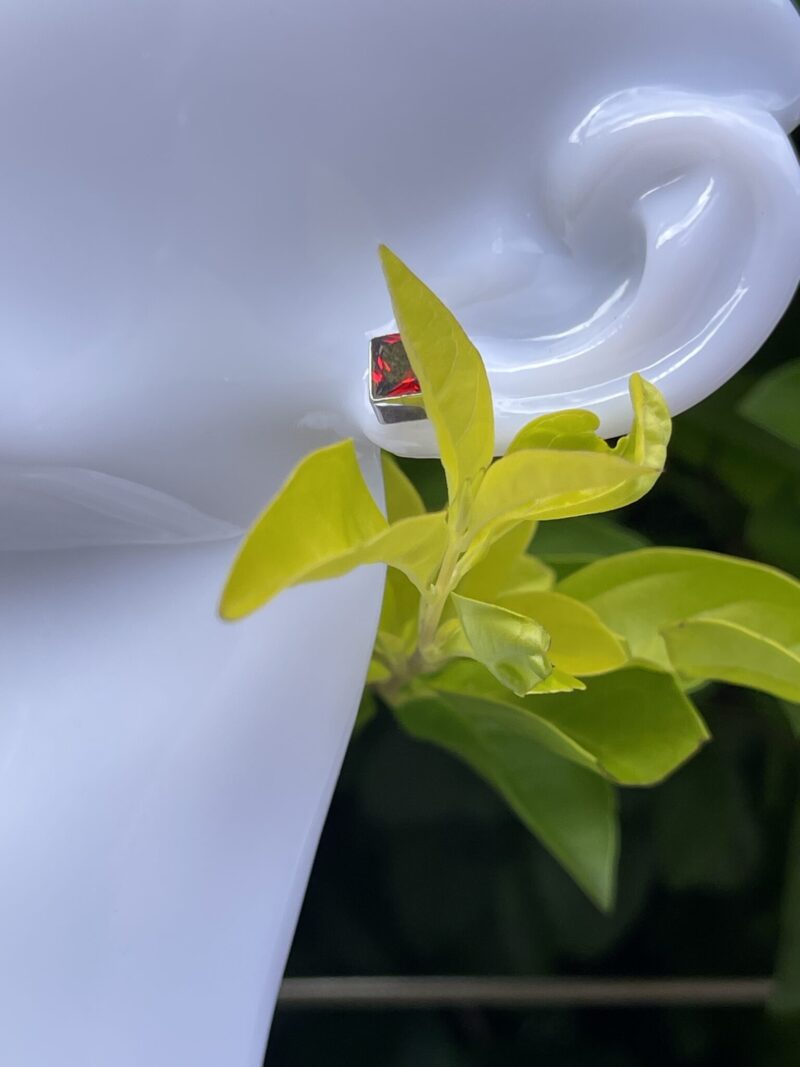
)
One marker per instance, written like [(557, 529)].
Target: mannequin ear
[(678, 218)]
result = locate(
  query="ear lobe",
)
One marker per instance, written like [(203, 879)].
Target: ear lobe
[(680, 216)]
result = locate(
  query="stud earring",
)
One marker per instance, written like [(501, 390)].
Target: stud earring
[(394, 391)]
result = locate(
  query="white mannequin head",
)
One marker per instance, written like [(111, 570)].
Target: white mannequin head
[(193, 197)]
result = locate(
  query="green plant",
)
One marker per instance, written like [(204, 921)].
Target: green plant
[(553, 691)]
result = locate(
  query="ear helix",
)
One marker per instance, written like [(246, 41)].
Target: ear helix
[(698, 199)]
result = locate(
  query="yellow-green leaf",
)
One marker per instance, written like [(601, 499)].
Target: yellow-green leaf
[(574, 430), (399, 613), (557, 681), (652, 426), (512, 647), (506, 567), (546, 484), (727, 652), (529, 575), (451, 641), (451, 374), (322, 524), (641, 594), (323, 513), (580, 643), (571, 810), (645, 446), (402, 499), (414, 546), (377, 672), (634, 726)]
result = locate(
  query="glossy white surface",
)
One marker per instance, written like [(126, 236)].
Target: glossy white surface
[(190, 199), (164, 778)]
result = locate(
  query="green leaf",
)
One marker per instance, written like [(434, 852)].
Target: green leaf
[(727, 652), (512, 647), (774, 403), (637, 724), (570, 810), (402, 499), (741, 468), (791, 713), (467, 681), (580, 643), (451, 374), (634, 726), (572, 543), (772, 529), (322, 524), (642, 594), (323, 513)]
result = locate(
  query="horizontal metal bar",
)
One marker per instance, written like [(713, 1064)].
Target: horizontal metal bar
[(515, 993)]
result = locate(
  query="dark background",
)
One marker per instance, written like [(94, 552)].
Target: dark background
[(422, 871)]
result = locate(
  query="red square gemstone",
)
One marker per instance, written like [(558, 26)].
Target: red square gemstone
[(391, 376)]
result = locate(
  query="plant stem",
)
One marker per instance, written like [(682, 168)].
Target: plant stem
[(432, 602), (432, 605)]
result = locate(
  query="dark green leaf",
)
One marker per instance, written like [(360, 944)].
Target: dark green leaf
[(634, 726), (775, 402), (570, 810)]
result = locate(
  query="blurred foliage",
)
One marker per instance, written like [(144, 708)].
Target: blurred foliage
[(422, 869)]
